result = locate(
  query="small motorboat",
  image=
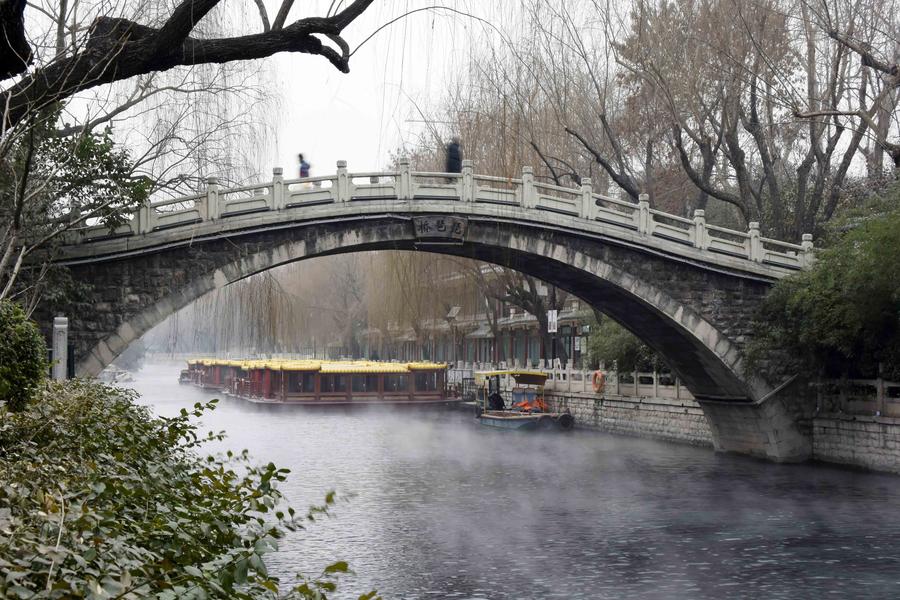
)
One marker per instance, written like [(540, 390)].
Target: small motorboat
[(527, 412)]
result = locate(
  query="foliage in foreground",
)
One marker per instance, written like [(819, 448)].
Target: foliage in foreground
[(842, 317), (99, 499), (23, 356)]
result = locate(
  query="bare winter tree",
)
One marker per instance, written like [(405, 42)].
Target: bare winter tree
[(115, 48), (770, 108), (528, 293), (83, 46), (868, 31)]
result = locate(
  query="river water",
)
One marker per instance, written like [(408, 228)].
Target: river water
[(443, 509)]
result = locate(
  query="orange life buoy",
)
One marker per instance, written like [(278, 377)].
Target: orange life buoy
[(598, 380)]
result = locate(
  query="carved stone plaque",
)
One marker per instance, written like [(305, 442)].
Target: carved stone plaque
[(440, 229)]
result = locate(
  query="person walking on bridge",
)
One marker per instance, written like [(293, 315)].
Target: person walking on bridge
[(304, 167), (454, 156)]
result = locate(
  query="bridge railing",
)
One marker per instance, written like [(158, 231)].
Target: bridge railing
[(465, 187)]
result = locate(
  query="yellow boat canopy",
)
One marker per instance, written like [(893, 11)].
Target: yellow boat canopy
[(321, 366), (522, 376)]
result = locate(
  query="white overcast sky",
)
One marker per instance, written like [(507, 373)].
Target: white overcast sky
[(363, 116)]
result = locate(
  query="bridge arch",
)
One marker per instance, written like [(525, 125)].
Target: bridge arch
[(700, 353), (686, 288)]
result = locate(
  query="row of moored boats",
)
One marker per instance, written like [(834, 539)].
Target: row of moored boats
[(505, 399)]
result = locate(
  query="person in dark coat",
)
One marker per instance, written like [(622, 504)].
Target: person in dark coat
[(304, 166), (495, 401), (454, 156)]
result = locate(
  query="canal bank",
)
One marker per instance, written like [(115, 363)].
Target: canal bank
[(870, 442), (667, 419), (864, 441)]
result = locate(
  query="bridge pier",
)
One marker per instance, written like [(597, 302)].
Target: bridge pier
[(769, 429)]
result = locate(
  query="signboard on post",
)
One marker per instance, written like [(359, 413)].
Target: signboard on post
[(552, 321)]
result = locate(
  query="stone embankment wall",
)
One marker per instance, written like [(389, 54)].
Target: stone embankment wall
[(863, 441), (869, 442), (675, 420)]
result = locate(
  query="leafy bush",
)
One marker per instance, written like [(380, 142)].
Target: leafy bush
[(842, 317), (611, 343), (102, 500), (23, 356)]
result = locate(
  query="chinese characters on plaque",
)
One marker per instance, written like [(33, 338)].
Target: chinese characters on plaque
[(440, 228)]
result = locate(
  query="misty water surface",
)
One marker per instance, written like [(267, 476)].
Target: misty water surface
[(444, 509)]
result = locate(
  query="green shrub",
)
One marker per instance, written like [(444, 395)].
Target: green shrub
[(611, 344), (23, 356), (102, 500), (842, 317)]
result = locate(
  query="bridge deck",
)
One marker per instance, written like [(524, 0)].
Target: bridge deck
[(347, 195)]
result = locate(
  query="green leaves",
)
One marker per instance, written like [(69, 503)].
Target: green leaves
[(23, 362), (338, 567), (102, 500), (611, 343), (842, 317)]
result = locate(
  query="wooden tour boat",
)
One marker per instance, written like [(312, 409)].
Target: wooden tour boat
[(528, 411), (321, 382)]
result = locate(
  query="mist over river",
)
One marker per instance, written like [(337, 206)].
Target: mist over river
[(444, 509)]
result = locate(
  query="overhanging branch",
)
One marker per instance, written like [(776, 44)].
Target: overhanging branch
[(118, 49)]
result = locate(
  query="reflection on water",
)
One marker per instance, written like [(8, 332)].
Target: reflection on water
[(443, 509)]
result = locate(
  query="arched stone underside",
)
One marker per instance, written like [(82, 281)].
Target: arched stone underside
[(697, 317)]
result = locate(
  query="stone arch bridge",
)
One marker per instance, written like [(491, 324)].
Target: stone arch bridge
[(685, 287)]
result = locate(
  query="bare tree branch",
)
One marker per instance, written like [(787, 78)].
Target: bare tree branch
[(117, 49), (281, 17), (263, 15), (15, 53)]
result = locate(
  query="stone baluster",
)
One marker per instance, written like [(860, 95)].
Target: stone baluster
[(60, 348), (277, 200), (468, 181), (756, 249), (588, 206), (701, 237), (808, 257), (212, 198), (644, 221), (342, 191), (404, 182), (145, 218), (529, 194)]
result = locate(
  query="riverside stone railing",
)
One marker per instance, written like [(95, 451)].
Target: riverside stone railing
[(571, 380), (404, 185), (872, 397)]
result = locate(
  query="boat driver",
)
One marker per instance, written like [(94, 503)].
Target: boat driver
[(495, 401)]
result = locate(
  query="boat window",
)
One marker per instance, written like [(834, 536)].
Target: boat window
[(365, 383), (518, 395), (302, 383), (334, 384), (396, 383), (426, 382)]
